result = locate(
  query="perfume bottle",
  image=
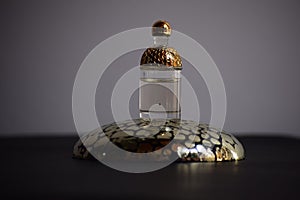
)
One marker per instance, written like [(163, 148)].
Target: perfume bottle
[(165, 136), (160, 78)]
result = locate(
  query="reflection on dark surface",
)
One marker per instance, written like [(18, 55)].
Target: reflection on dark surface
[(42, 168)]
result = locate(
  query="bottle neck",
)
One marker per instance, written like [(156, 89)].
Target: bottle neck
[(161, 41)]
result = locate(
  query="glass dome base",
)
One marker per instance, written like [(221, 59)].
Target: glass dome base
[(188, 140)]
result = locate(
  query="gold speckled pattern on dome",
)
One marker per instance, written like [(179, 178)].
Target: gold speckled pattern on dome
[(192, 141), (162, 56)]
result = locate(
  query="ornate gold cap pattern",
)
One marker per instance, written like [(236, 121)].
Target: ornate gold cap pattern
[(161, 55)]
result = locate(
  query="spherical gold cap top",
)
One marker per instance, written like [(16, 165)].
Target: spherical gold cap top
[(161, 28)]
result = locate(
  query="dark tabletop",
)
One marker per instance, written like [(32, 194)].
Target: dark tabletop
[(43, 168)]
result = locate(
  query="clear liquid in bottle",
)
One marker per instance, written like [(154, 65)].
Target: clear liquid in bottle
[(159, 92)]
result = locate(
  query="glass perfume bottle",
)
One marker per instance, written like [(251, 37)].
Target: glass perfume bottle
[(167, 137), (160, 79)]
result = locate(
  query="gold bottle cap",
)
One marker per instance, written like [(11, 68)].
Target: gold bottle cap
[(161, 55), (161, 28)]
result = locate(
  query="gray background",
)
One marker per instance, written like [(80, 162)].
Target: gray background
[(255, 44)]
